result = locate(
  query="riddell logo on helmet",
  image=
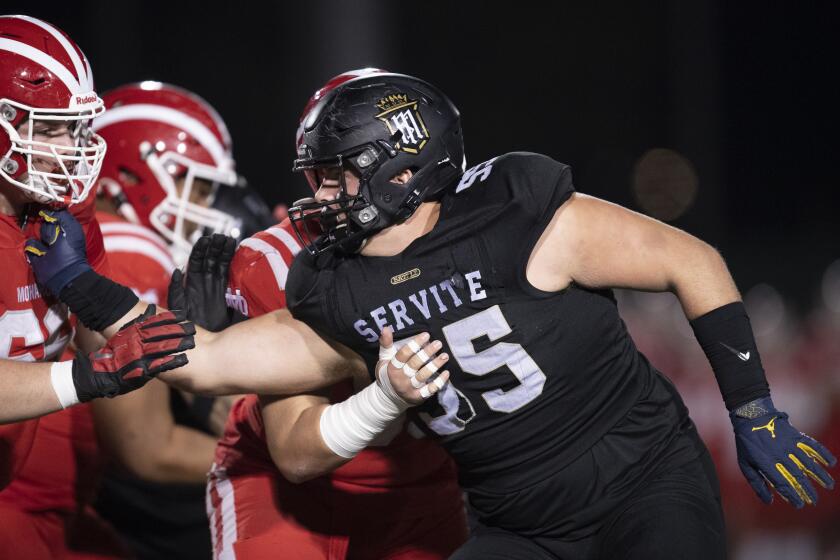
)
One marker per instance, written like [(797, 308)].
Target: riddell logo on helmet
[(85, 99)]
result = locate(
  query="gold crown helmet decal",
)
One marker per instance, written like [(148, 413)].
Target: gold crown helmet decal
[(399, 113)]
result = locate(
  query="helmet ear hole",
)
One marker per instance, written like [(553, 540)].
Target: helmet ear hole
[(127, 177)]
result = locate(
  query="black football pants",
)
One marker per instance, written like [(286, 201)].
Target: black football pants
[(676, 514)]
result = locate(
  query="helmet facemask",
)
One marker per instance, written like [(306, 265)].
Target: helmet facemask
[(179, 219), (348, 219), (71, 171)]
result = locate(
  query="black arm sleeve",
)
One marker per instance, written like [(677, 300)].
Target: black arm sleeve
[(97, 301)]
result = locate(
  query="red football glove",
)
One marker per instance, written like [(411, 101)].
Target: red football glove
[(143, 348)]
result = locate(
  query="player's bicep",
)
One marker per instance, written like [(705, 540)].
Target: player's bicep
[(602, 245)]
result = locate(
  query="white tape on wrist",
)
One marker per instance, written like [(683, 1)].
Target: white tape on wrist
[(349, 426), (61, 376), (385, 382)]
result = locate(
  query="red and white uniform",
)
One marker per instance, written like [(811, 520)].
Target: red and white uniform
[(33, 326), (397, 500), (39, 515), (138, 257)]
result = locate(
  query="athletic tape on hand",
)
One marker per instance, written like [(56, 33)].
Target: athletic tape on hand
[(416, 383), (397, 363), (386, 353), (409, 371), (432, 367)]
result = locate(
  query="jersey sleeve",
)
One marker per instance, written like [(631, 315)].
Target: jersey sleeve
[(508, 202), (539, 184), (257, 280)]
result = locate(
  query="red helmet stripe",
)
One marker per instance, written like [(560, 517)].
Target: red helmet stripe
[(85, 80), (172, 117), (45, 60)]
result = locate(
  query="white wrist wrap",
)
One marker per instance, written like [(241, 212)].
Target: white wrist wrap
[(349, 426), (61, 375)]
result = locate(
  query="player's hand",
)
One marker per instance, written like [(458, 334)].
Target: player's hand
[(771, 451), (141, 349), (201, 292), (60, 255), (410, 368)]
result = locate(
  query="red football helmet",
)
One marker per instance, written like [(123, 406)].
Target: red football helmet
[(331, 84), (159, 135), (46, 79)]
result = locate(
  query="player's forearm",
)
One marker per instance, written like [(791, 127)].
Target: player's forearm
[(300, 453), (207, 372), (136, 310), (272, 355), (184, 458), (26, 391), (140, 432)]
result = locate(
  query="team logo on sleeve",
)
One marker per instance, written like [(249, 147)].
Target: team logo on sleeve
[(399, 113)]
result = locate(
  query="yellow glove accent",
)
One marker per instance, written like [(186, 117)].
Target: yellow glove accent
[(47, 217), (794, 483), (34, 251), (810, 452), (806, 470), (50, 220)]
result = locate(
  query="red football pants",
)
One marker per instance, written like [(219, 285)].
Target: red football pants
[(261, 515)]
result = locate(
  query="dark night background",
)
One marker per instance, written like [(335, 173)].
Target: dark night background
[(743, 91), (718, 117)]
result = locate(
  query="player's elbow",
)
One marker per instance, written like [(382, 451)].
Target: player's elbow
[(298, 469), (299, 473), (698, 263), (145, 466)]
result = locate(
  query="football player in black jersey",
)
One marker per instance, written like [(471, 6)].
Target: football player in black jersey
[(569, 443)]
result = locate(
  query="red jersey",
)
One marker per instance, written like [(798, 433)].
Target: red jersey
[(65, 462), (139, 258), (33, 326), (399, 473)]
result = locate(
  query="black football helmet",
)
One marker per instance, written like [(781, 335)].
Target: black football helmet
[(249, 211), (377, 126)]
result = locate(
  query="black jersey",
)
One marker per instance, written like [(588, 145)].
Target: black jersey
[(536, 377)]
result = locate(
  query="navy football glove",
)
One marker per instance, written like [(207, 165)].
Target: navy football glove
[(60, 256), (771, 451)]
